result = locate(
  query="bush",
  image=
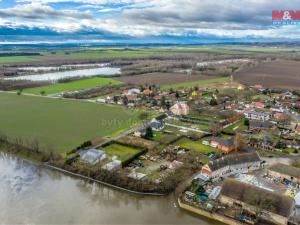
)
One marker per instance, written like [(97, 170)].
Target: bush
[(246, 122), (84, 145), (129, 160)]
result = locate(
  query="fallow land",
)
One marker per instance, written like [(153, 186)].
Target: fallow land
[(280, 74)]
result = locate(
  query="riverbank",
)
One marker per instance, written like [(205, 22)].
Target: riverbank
[(32, 194), (55, 162), (101, 182), (211, 215)]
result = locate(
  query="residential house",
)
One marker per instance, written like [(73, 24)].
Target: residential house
[(132, 91), (268, 206), (256, 114), (157, 124), (260, 125), (288, 95), (293, 144), (278, 109), (147, 92), (260, 105), (132, 98), (180, 108), (231, 165), (225, 145)]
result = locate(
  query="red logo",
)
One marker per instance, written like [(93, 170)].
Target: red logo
[(286, 15)]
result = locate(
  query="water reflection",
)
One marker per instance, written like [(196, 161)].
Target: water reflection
[(104, 71), (35, 195)]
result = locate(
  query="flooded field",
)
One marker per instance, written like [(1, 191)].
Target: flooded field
[(62, 67), (218, 62), (35, 195), (103, 71)]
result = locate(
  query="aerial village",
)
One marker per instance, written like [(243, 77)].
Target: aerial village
[(228, 142)]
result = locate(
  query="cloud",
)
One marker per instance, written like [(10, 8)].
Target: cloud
[(38, 11), (186, 18), (84, 1), (204, 13)]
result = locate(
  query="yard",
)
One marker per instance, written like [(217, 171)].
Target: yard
[(123, 152), (72, 86), (237, 126), (162, 137), (194, 145), (59, 124)]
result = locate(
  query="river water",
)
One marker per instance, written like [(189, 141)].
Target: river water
[(35, 195)]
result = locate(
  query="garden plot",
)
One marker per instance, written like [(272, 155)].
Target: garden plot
[(194, 145), (123, 152)]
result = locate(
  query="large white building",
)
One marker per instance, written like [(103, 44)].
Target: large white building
[(256, 115)]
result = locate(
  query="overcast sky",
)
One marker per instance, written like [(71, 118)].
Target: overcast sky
[(109, 19)]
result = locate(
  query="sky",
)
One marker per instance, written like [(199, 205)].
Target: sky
[(144, 21)]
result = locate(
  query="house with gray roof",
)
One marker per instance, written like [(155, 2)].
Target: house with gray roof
[(260, 125), (157, 124), (272, 207), (231, 165)]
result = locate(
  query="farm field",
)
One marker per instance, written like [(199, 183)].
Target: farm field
[(194, 83), (14, 59), (162, 78), (72, 86), (141, 52), (279, 75), (121, 151), (57, 124)]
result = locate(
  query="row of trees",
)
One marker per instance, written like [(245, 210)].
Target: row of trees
[(31, 149)]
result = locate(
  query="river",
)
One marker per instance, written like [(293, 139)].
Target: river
[(30, 194)]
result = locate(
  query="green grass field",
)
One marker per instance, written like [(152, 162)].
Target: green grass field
[(72, 86), (194, 83), (123, 152), (194, 145), (59, 124), (14, 59)]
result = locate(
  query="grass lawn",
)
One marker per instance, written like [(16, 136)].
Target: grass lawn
[(239, 125), (291, 151), (162, 137), (194, 146), (194, 83), (122, 151), (60, 124), (72, 86)]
